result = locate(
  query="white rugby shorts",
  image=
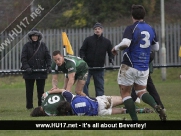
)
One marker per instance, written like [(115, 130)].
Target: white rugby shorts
[(105, 105), (128, 76)]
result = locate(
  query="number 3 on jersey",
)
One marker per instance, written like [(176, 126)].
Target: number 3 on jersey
[(146, 39), (53, 99)]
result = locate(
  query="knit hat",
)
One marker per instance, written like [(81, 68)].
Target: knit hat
[(98, 25)]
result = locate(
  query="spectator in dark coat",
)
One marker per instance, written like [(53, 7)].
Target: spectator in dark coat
[(35, 55), (93, 51)]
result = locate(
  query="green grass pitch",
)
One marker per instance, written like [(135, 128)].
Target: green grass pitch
[(12, 105)]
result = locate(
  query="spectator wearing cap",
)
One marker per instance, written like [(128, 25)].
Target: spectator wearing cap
[(35, 55), (93, 51)]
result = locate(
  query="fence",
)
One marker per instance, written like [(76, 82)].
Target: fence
[(10, 59)]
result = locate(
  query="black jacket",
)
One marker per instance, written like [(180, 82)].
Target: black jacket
[(94, 49), (41, 60)]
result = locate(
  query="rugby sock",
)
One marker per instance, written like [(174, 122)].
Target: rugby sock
[(140, 111), (137, 111), (147, 98), (130, 106)]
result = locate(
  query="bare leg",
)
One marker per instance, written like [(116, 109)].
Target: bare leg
[(79, 87), (140, 87), (116, 100), (118, 111)]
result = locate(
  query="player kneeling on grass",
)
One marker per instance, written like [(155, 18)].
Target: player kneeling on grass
[(81, 105)]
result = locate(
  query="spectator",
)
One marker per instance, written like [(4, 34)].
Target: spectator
[(35, 55), (93, 51)]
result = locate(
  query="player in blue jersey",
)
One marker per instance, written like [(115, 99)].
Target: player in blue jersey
[(87, 106), (139, 39), (84, 105)]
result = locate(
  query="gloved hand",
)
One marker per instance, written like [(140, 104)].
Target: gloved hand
[(111, 61), (29, 70), (49, 69)]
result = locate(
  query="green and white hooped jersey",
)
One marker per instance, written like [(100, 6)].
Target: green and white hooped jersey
[(71, 64), (50, 104)]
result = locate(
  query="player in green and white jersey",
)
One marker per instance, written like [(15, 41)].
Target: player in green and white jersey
[(75, 69), (49, 106)]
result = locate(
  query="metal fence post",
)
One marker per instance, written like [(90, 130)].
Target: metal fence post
[(163, 49)]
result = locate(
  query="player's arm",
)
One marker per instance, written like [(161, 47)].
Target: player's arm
[(54, 76), (125, 43), (55, 91), (54, 80), (155, 47), (66, 94), (65, 81), (71, 80)]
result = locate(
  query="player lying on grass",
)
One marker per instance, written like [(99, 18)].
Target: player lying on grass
[(54, 104), (49, 106)]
